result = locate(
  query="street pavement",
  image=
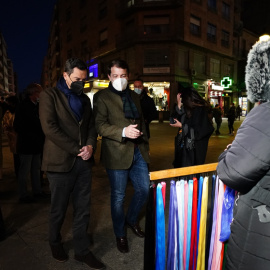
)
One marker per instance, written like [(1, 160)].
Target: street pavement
[(27, 248)]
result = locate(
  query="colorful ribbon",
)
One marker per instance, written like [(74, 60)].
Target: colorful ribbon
[(160, 230)]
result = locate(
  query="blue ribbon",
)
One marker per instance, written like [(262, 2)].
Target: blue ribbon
[(200, 187), (172, 250), (160, 230)]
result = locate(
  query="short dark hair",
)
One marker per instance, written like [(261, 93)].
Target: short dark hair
[(119, 64), (32, 88), (139, 80), (71, 63)]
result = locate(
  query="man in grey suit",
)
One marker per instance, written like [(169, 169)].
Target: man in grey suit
[(68, 124), (124, 150)]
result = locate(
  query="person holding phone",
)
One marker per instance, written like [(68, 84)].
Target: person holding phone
[(191, 115)]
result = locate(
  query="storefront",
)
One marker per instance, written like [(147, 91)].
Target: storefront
[(93, 87), (215, 94), (160, 92)]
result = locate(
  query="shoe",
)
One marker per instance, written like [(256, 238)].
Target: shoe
[(122, 244), (137, 230), (59, 253), (27, 199), (90, 260)]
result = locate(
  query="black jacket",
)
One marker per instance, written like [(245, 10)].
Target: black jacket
[(245, 167), (203, 128), (30, 138)]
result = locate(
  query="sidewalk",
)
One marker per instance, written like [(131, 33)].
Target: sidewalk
[(27, 248)]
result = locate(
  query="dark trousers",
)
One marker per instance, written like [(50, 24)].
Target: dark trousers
[(77, 184), (218, 126), (230, 125)]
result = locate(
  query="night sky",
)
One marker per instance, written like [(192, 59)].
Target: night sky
[(25, 26)]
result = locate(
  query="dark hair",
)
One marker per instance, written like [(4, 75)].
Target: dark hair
[(191, 99), (138, 80), (71, 63), (32, 88), (119, 64)]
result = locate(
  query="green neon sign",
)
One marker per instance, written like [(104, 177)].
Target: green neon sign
[(226, 82)]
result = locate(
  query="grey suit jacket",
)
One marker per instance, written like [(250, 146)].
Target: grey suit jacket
[(117, 152), (64, 135)]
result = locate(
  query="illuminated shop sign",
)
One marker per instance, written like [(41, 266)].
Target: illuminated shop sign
[(93, 71), (226, 82), (216, 93)]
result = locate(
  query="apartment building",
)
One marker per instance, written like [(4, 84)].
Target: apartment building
[(167, 43), (3, 66)]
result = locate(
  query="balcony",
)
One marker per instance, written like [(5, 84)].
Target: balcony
[(127, 7)]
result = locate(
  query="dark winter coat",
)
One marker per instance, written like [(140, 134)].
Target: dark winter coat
[(203, 128), (117, 153), (231, 113), (64, 134), (149, 111), (245, 167), (30, 137)]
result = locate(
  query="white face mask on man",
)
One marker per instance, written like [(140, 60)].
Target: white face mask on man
[(138, 91), (120, 84)]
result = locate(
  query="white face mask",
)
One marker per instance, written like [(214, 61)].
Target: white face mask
[(138, 91), (120, 84)]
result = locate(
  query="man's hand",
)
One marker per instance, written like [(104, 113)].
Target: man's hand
[(86, 152), (132, 132)]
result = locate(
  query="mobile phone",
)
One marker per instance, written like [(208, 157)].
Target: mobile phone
[(172, 121)]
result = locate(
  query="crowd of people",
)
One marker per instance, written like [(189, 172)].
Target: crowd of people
[(60, 120)]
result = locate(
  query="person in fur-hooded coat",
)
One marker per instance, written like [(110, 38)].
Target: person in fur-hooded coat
[(245, 167)]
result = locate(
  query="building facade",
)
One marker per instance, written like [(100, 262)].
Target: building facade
[(167, 43), (7, 76)]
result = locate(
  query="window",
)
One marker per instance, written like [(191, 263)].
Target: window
[(225, 38), (211, 32), (225, 10), (214, 67), (195, 26), (182, 60), (199, 63), (83, 24), (228, 70), (103, 37), (212, 4), (156, 24), (156, 58)]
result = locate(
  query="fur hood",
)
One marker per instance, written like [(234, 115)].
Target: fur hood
[(258, 71)]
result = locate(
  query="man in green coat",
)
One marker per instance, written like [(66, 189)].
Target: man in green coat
[(124, 149), (68, 124)]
